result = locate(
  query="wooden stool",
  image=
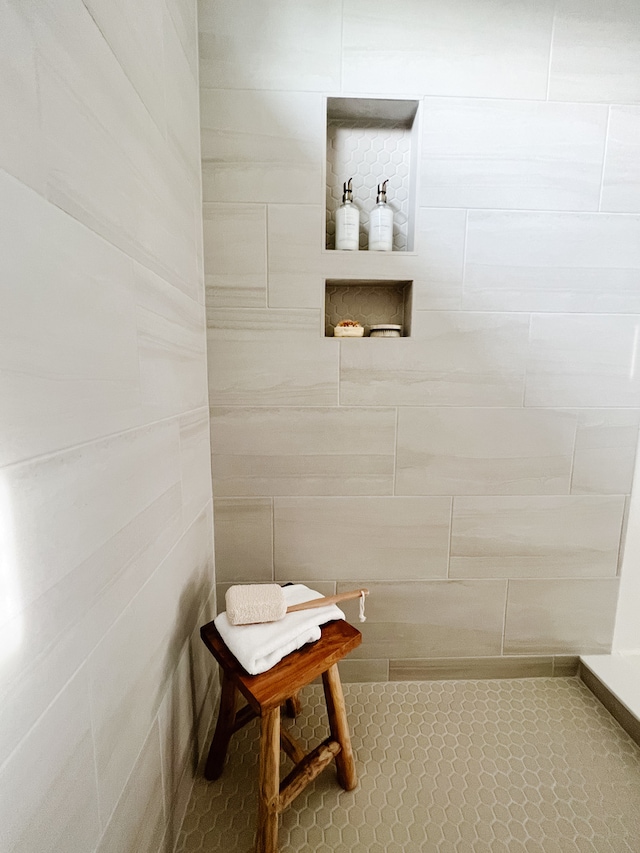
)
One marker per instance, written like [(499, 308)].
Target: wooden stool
[(265, 694)]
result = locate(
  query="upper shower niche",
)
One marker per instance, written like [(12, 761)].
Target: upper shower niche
[(371, 140)]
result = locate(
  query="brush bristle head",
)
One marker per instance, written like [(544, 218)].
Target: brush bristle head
[(252, 603)]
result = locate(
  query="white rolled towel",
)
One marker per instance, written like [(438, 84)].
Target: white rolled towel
[(259, 647)]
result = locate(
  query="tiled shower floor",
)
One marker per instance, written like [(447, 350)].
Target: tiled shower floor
[(505, 766)]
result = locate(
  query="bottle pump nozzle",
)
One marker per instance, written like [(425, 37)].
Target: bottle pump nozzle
[(347, 191), (382, 192)]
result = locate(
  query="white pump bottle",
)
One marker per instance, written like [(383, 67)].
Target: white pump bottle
[(347, 221), (381, 223)]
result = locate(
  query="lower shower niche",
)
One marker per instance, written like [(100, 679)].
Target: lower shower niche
[(370, 302)]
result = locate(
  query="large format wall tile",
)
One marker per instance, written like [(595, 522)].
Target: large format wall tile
[(83, 531), (279, 45), (138, 822), (171, 347), (584, 360), (235, 256), (606, 442), (560, 616), (440, 243), (621, 179), (68, 344), (459, 451), (535, 536), (294, 238), (424, 619), (452, 359), (20, 137), (133, 665), (512, 154), (108, 164), (261, 146), (552, 262), (195, 467), (48, 796), (134, 33), (244, 539), (361, 538), (302, 451), (596, 51), (448, 48), (290, 372)]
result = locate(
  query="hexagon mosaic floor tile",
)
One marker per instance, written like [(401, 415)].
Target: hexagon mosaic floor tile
[(506, 766)]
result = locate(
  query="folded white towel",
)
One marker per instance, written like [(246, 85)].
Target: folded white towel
[(259, 647)]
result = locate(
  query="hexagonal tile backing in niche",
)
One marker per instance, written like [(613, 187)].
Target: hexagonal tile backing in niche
[(369, 154)]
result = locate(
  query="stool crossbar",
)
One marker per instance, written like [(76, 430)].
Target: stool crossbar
[(265, 694)]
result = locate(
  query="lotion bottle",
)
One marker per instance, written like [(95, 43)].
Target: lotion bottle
[(381, 223), (347, 221)]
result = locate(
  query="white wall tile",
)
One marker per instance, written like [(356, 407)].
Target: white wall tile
[(441, 237), (138, 822), (68, 345), (434, 618), (295, 371), (181, 96), (536, 536), (596, 51), (606, 442), (134, 34), (447, 49), (560, 616), (244, 539), (108, 164), (262, 146), (621, 179), (20, 136), (511, 154), (302, 451), (583, 360), (458, 451), (235, 256), (48, 796), (48, 640), (133, 665), (452, 359), (195, 463), (552, 262), (171, 345), (294, 241), (279, 45), (361, 538)]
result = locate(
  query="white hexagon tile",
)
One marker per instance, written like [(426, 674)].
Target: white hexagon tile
[(369, 153), (505, 766)]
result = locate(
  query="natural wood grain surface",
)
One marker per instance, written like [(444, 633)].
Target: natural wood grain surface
[(339, 726), (269, 783), (272, 688), (306, 771)]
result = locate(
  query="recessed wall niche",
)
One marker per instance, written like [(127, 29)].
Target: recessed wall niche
[(370, 140), (368, 301)]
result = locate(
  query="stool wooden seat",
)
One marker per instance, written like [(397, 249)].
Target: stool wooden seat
[(265, 694)]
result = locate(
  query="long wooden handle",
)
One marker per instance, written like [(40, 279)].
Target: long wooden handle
[(329, 599)]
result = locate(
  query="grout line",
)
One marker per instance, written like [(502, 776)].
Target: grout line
[(267, 274), (553, 32), (604, 158), (464, 257), (504, 616), (450, 536), (395, 451)]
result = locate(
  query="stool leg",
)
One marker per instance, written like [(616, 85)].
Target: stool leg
[(339, 727), (293, 705), (224, 730), (269, 783)]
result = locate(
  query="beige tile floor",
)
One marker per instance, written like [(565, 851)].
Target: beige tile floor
[(506, 766)]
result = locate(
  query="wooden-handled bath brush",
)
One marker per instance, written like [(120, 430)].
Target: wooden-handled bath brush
[(252, 603)]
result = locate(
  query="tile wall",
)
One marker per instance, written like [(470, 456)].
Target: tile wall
[(106, 553), (475, 475)]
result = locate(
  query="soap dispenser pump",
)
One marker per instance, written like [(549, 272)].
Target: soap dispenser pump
[(347, 221), (381, 222)]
